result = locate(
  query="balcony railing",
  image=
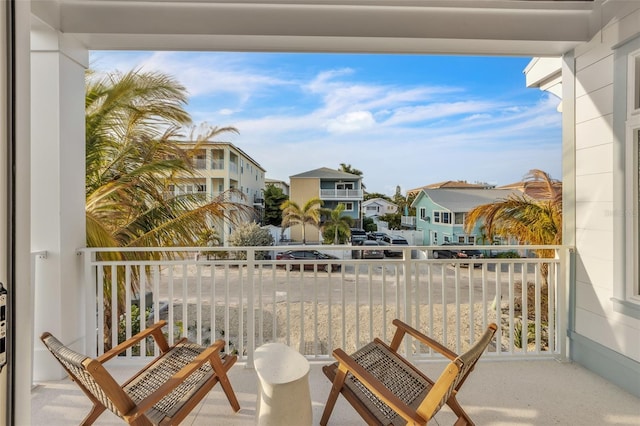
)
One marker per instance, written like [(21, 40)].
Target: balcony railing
[(408, 221), (209, 293), (217, 164), (200, 163), (352, 194)]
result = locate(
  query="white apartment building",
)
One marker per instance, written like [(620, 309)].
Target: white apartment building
[(223, 166)]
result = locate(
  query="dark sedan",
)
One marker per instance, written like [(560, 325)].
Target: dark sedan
[(308, 255), (460, 252), (372, 250)]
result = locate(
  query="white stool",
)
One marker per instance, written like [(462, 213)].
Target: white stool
[(283, 381)]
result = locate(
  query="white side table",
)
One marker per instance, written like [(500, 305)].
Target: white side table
[(283, 386)]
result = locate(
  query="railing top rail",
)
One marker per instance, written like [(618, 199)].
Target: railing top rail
[(315, 247)]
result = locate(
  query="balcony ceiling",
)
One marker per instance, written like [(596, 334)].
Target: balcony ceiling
[(503, 27)]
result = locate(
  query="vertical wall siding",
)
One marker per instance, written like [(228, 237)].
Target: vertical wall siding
[(595, 203)]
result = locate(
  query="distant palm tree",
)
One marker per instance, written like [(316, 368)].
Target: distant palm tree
[(536, 221), (337, 223), (348, 169), (293, 214)]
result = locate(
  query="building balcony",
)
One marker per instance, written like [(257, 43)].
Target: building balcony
[(341, 194), (207, 293), (408, 221)]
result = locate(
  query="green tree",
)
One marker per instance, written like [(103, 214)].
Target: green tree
[(348, 169), (369, 225), (250, 235), (372, 195), (132, 159), (536, 221), (337, 226), (273, 199), (308, 214)]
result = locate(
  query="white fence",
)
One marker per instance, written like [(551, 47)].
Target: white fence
[(250, 302)]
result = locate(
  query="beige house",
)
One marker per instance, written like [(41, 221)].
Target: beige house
[(44, 49), (333, 187)]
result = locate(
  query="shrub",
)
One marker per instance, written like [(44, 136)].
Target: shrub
[(250, 235)]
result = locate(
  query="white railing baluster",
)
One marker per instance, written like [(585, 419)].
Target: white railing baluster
[(142, 300), (511, 308), (114, 306), (199, 305), (170, 317), (127, 301), (185, 295)]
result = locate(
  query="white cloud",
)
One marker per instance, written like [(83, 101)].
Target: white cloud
[(351, 122)]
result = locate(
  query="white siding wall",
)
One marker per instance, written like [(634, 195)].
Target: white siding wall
[(596, 204)]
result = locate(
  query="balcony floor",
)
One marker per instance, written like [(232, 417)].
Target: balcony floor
[(540, 392)]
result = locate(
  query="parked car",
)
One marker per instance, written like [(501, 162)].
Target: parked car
[(371, 250), (393, 240), (456, 253), (358, 236), (376, 236), (308, 255)]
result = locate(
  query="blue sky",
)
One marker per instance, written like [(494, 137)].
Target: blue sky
[(407, 120)]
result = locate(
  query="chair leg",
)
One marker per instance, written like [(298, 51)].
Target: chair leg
[(338, 383), (228, 390), (93, 415), (463, 417)]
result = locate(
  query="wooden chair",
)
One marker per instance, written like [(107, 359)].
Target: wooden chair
[(163, 392), (385, 389)]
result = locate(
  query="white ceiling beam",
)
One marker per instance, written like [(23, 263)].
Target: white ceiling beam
[(404, 26)]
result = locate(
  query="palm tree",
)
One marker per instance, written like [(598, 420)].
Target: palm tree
[(132, 159), (292, 214), (531, 220), (337, 223)]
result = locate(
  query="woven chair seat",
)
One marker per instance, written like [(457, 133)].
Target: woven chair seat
[(394, 374), (162, 370)]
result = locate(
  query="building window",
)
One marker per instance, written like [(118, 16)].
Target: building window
[(423, 213), (626, 120), (441, 217), (471, 239), (201, 188), (460, 239), (348, 207), (344, 185), (447, 239), (634, 83), (459, 218)]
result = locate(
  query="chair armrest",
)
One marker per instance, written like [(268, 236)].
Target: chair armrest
[(178, 378), (153, 330), (345, 362), (403, 328)]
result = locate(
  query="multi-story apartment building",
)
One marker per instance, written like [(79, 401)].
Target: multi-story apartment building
[(222, 166), (333, 187)]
